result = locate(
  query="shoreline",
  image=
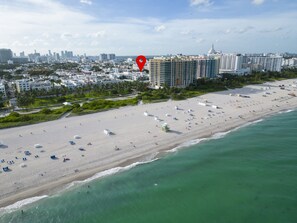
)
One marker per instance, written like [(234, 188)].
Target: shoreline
[(159, 151)]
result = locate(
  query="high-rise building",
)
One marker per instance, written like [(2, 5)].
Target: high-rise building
[(5, 55), (111, 56), (181, 71), (103, 57), (234, 63), (266, 63), (207, 67)]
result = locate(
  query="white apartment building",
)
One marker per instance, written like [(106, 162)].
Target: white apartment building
[(41, 85), (23, 85), (2, 90), (27, 85), (290, 62), (69, 84), (233, 63), (266, 63)]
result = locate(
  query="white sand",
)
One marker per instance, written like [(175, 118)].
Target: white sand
[(136, 135)]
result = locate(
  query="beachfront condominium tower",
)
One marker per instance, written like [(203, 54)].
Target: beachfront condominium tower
[(172, 71), (207, 67)]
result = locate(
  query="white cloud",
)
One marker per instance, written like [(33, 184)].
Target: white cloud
[(52, 25), (160, 28), (88, 2), (271, 30), (66, 36), (200, 2), (200, 40), (99, 34), (258, 2)]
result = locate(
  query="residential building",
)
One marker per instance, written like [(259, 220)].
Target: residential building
[(173, 72), (266, 63), (234, 64), (103, 57), (207, 67), (2, 90), (292, 62), (23, 85), (40, 85), (111, 56)]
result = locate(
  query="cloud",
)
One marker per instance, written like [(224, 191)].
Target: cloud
[(55, 26), (98, 34), (66, 36), (238, 31), (200, 2), (271, 30), (258, 2), (160, 28), (200, 40), (88, 2)]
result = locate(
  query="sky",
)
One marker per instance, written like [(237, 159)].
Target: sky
[(149, 27)]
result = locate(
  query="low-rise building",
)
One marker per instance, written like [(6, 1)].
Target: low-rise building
[(22, 85), (2, 90), (41, 85)]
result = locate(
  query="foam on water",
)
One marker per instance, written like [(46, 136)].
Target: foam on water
[(109, 172), (21, 203), (105, 173), (217, 135), (286, 111)]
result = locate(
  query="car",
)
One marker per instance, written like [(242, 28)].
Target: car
[(72, 143)]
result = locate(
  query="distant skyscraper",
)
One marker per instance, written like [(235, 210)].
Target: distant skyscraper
[(111, 56), (103, 57), (22, 54), (5, 55)]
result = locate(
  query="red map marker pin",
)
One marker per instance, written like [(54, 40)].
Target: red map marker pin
[(141, 60)]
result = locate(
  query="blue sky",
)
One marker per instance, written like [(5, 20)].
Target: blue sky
[(150, 27)]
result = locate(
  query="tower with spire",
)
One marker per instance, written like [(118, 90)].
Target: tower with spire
[(212, 51)]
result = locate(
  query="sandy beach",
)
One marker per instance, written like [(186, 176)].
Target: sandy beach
[(136, 136)]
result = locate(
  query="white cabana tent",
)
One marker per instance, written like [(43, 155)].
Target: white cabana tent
[(107, 132)]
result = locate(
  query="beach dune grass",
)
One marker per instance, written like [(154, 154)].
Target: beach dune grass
[(15, 119)]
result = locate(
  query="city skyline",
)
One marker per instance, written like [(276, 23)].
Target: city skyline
[(148, 27)]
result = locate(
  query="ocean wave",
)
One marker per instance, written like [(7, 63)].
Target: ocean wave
[(105, 173), (286, 111), (186, 144), (21, 203), (217, 135), (109, 172)]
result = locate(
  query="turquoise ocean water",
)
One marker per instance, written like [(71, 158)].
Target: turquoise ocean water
[(250, 175)]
